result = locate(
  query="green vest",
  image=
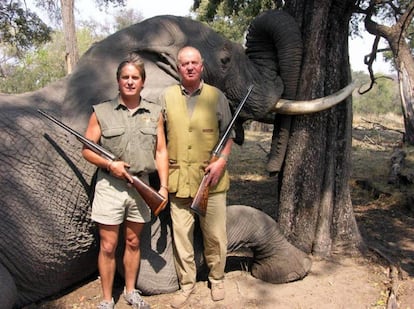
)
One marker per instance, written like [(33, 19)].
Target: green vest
[(191, 140), (131, 138)]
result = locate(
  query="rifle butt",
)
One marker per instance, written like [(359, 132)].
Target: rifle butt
[(155, 201), (200, 201)]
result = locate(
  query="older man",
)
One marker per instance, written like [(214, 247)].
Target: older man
[(196, 115)]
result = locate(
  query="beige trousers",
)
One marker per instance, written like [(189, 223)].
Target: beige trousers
[(213, 228)]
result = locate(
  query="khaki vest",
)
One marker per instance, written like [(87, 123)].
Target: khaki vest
[(191, 140), (131, 138)]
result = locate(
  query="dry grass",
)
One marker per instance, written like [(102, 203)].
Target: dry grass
[(374, 140), (250, 183), (384, 211)]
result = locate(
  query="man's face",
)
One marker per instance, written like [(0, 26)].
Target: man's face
[(190, 67), (130, 82)]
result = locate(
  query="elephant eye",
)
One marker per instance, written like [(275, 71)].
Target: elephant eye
[(225, 60)]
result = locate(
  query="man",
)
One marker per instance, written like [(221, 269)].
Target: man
[(133, 130), (196, 115)]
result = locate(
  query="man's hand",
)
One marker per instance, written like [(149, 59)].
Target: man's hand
[(215, 170), (119, 170)]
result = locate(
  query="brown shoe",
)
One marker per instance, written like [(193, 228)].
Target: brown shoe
[(181, 297), (217, 291)]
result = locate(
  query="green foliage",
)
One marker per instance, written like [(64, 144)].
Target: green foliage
[(43, 66), (386, 14), (54, 11), (383, 98), (36, 69), (230, 17), (124, 19), (21, 28)]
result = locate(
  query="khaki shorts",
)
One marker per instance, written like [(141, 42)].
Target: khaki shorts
[(115, 201)]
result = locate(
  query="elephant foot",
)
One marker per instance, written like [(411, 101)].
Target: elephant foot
[(282, 269)]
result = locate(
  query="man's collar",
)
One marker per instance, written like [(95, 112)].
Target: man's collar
[(197, 91), (141, 107)]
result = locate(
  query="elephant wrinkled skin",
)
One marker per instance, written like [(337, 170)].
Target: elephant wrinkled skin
[(47, 240)]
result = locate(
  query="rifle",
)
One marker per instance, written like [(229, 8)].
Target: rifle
[(155, 201), (199, 204)]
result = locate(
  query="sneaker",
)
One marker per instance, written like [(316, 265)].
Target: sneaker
[(106, 304), (181, 297), (135, 300), (217, 291)]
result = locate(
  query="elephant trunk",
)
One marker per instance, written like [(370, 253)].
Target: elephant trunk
[(271, 61), (274, 44), (274, 47)]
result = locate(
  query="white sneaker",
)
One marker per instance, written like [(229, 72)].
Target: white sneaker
[(135, 300), (106, 304)]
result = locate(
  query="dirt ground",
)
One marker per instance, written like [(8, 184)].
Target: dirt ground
[(384, 278)]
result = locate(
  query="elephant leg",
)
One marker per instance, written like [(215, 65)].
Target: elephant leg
[(280, 138), (8, 290), (275, 260)]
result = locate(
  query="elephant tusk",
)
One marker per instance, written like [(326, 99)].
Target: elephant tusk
[(291, 107)]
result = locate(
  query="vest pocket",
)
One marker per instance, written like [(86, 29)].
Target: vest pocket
[(174, 175), (149, 137), (113, 139)]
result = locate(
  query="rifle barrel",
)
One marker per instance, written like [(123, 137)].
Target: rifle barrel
[(226, 134), (154, 200), (91, 145), (199, 203)]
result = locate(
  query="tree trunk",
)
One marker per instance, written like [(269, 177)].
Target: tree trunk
[(68, 19), (315, 208), (406, 82), (404, 62), (405, 65)]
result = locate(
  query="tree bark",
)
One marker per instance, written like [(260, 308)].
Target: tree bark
[(315, 207), (69, 29), (404, 62), (406, 82)]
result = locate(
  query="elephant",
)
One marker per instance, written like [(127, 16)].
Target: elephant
[(48, 242)]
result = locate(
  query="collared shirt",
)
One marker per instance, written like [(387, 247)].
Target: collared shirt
[(130, 136)]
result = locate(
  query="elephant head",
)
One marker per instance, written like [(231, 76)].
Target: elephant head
[(47, 240), (271, 62)]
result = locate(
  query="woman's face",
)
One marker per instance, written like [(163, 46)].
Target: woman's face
[(130, 82)]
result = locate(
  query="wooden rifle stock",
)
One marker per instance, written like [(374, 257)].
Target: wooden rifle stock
[(155, 201), (200, 201)]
